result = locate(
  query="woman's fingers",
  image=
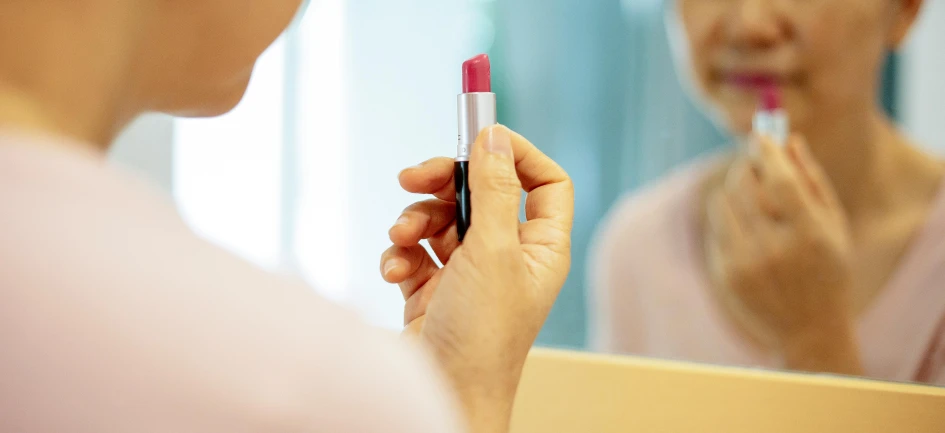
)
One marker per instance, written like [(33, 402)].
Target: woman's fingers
[(818, 184), (444, 243), (401, 263), (414, 327), (550, 190), (780, 181), (495, 189), (434, 176), (433, 220), (418, 301), (549, 203), (743, 189), (408, 267), (422, 220)]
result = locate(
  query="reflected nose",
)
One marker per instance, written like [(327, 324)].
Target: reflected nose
[(754, 24)]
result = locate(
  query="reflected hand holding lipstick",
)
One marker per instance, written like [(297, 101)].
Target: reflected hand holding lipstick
[(476, 111)]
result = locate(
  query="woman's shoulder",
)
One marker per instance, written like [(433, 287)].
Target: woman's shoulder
[(642, 247), (75, 224), (64, 178)]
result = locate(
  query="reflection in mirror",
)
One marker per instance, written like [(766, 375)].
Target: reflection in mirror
[(818, 253)]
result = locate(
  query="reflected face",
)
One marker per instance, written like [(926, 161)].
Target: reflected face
[(825, 55), (198, 57)]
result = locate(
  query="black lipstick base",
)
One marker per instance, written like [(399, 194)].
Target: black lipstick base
[(463, 205)]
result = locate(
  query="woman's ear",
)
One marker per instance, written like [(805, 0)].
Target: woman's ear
[(904, 15)]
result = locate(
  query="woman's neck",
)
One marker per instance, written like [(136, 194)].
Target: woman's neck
[(66, 67), (869, 162)]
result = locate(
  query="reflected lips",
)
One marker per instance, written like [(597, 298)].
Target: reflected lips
[(770, 98), (753, 80)]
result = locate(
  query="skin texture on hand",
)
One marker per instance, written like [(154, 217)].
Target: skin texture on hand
[(481, 312), (779, 254)]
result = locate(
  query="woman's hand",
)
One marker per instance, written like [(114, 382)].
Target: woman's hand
[(481, 312), (779, 252)]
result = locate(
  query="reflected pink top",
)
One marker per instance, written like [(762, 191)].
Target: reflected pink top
[(651, 295), (114, 316)]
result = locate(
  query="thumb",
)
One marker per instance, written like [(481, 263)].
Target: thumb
[(496, 192)]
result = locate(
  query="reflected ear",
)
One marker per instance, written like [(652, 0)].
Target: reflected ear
[(904, 15)]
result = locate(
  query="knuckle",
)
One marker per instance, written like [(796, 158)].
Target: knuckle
[(494, 169), (568, 184)]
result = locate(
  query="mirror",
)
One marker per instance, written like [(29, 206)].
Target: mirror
[(597, 86), (681, 256)]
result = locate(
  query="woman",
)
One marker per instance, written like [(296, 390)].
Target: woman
[(116, 317), (826, 255)]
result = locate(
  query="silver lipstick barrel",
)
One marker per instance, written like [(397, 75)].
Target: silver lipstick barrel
[(476, 111)]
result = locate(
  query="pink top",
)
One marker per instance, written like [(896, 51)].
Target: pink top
[(651, 295), (114, 316)]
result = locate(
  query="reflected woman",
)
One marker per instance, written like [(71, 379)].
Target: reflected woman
[(826, 254)]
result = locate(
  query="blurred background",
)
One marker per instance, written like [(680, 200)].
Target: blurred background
[(301, 177)]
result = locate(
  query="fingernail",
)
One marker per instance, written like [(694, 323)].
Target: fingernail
[(499, 140), (403, 220), (389, 266)]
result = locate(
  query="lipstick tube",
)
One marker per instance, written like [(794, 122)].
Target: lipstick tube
[(476, 110), (771, 120)]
